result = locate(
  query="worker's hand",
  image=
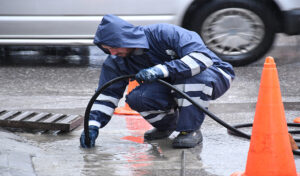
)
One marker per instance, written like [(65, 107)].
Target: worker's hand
[(149, 75), (93, 133)]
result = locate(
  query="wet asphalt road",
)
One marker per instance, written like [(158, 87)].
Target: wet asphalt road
[(33, 81)]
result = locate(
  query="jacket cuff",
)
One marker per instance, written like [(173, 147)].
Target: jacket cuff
[(94, 123), (164, 69)]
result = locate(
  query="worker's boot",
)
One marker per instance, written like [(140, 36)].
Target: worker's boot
[(154, 134), (187, 139)]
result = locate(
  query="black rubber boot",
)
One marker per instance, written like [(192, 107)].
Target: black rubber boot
[(154, 134), (187, 139)]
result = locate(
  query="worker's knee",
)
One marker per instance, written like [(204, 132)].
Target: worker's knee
[(150, 97), (135, 100)]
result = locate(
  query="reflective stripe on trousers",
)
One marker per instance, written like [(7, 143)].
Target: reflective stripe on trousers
[(163, 109)]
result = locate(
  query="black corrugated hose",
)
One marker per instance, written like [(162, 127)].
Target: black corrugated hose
[(231, 129)]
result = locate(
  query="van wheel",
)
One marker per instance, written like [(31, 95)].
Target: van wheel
[(238, 31)]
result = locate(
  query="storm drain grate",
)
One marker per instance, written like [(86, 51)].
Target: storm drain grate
[(36, 120)]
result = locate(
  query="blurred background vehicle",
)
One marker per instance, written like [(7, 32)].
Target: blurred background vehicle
[(239, 31)]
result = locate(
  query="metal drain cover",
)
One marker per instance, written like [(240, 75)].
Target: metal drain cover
[(39, 120)]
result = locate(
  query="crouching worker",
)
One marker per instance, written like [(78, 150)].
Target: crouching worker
[(158, 51)]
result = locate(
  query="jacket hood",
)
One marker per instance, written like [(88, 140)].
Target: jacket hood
[(116, 32)]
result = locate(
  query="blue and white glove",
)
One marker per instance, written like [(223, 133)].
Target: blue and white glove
[(93, 133), (151, 74)]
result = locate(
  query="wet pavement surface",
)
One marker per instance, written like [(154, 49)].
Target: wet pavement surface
[(64, 84)]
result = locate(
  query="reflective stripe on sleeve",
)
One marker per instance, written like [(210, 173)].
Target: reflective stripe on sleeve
[(202, 58), (94, 123), (111, 99), (102, 108), (192, 64), (226, 75), (163, 69)]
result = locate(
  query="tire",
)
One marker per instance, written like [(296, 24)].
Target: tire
[(238, 31), (4, 55)]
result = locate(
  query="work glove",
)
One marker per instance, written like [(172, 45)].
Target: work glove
[(93, 133), (150, 74)]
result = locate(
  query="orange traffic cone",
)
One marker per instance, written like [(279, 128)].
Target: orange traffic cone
[(297, 120), (270, 152), (126, 110)]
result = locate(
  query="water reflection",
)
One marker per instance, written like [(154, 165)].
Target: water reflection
[(129, 155), (122, 158), (51, 56)]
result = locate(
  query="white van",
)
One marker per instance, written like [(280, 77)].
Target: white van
[(239, 31)]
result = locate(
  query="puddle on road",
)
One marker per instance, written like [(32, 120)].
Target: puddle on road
[(120, 150)]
